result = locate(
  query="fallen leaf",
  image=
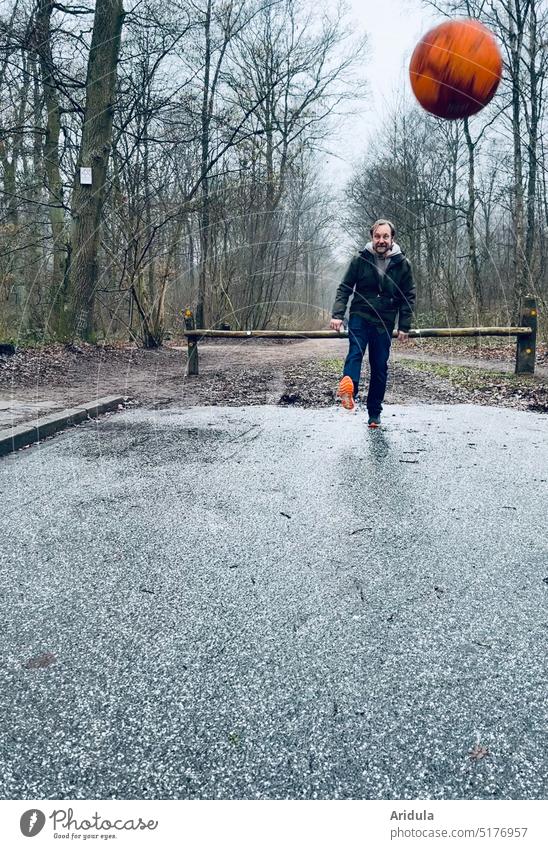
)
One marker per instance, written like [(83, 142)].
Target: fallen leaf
[(40, 661), (479, 752)]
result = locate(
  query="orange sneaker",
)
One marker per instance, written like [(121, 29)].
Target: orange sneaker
[(346, 393)]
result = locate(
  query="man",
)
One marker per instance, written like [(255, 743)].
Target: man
[(381, 280)]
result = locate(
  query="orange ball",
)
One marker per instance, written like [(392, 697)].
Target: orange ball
[(455, 69)]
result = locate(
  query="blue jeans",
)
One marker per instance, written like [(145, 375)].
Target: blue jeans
[(362, 333)]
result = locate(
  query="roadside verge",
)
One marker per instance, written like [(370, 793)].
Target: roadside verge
[(33, 431)]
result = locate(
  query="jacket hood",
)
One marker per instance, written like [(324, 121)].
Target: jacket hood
[(391, 253)]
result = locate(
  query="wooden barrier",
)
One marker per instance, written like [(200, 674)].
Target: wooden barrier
[(525, 347)]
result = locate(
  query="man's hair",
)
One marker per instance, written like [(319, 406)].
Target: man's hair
[(378, 223)]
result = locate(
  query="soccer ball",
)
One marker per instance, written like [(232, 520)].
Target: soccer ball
[(455, 69)]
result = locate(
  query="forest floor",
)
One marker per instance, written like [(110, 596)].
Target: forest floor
[(260, 371)]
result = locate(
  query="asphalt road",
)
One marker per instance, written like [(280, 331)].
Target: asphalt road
[(277, 603)]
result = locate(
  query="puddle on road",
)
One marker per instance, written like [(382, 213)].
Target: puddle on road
[(123, 438)]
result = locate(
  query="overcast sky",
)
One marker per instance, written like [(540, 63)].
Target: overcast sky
[(393, 28)]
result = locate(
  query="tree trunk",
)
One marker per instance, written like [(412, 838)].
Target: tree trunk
[(11, 168), (471, 222), (204, 167), (88, 200), (516, 44), (535, 98), (53, 181)]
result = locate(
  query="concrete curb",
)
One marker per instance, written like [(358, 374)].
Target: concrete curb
[(37, 429)]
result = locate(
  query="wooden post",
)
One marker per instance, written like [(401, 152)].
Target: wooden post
[(527, 344), (192, 367)]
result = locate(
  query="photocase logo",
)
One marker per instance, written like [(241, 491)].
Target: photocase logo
[(32, 822)]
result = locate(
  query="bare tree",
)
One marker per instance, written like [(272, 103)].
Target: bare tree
[(292, 67), (87, 200), (41, 46)]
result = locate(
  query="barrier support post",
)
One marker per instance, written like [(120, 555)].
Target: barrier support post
[(526, 345), (192, 341)]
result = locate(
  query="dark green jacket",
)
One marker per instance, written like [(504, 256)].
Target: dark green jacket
[(378, 298)]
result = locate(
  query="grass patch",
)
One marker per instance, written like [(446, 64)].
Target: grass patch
[(470, 376), (333, 364)]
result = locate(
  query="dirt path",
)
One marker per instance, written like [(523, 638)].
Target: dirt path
[(245, 372)]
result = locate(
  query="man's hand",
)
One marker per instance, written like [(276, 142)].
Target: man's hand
[(335, 324), (402, 337)]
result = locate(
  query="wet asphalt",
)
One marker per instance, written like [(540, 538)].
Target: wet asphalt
[(277, 603)]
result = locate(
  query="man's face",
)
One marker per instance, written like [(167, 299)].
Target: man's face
[(382, 239)]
